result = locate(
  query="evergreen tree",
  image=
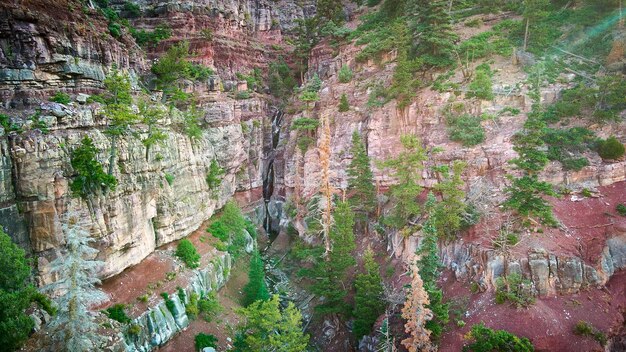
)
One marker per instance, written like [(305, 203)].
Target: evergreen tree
[(15, 295), (343, 103), (449, 212), (432, 32), (368, 302), (407, 168), (256, 289), (330, 274), (330, 10), (430, 268), (118, 109), (170, 68), (265, 328), (74, 325), (533, 10), (484, 339), (361, 190), (152, 117)]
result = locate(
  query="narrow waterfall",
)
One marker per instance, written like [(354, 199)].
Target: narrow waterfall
[(268, 175)]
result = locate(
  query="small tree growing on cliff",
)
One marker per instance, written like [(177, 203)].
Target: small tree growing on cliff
[(91, 179), (361, 189), (74, 326), (368, 302), (256, 289), (407, 168)]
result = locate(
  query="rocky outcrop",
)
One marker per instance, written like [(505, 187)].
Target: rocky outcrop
[(56, 46), (161, 194), (159, 324)]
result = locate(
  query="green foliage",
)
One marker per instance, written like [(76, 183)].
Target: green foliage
[(525, 198), (118, 312), (209, 307), (304, 142), (344, 74), (361, 190), (407, 168), (529, 145), (61, 98), (265, 327), (305, 124), (343, 103), (244, 94), (368, 298), (169, 303), (466, 129), (134, 329), (515, 289), (430, 266), (486, 44), (481, 86), (314, 84), (281, 79), (218, 230), (621, 209), (254, 80), (583, 328), (432, 29), (7, 125), (230, 228), (611, 148), (191, 122), (90, 177), (15, 294), (214, 176), (330, 10), (255, 289), (330, 275), (174, 66), (404, 83), (449, 214), (151, 38), (169, 178), (187, 252), (487, 340), (131, 9), (566, 145), (205, 340)]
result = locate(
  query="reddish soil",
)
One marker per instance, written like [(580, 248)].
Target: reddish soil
[(587, 223), (150, 277), (548, 323)]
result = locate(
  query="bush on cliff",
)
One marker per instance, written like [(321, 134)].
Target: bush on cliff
[(486, 340), (188, 253), (611, 148)]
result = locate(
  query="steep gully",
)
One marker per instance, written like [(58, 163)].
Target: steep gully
[(269, 175)]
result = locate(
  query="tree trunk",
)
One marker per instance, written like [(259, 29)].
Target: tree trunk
[(526, 32)]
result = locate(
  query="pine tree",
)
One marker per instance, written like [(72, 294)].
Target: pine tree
[(343, 103), (449, 212), (407, 168), (430, 266), (75, 327), (256, 289), (330, 10), (417, 315), (532, 11), (15, 294), (330, 274), (368, 302), (265, 328), (433, 35), (91, 178), (361, 189)]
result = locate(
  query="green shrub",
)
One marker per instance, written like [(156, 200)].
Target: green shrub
[(61, 98), (466, 129), (205, 340), (188, 253), (115, 29), (191, 308), (90, 177), (251, 228), (209, 307), (118, 312), (171, 306), (169, 178), (487, 340), (219, 231), (343, 103), (213, 177), (583, 328), (566, 145), (206, 34), (611, 148), (344, 74), (305, 124), (134, 329), (481, 86), (621, 209), (151, 38), (244, 94), (514, 289)]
